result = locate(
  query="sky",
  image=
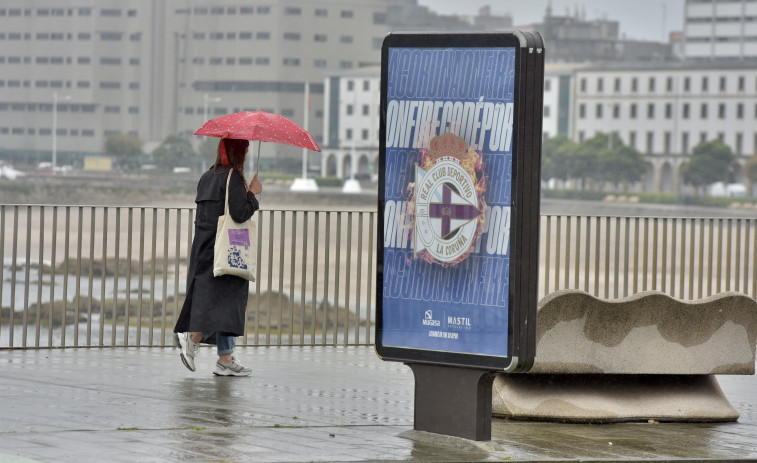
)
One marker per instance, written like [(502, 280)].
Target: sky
[(639, 19)]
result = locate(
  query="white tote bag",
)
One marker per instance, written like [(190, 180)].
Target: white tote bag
[(235, 252)]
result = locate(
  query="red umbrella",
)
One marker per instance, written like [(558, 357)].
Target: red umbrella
[(260, 126)]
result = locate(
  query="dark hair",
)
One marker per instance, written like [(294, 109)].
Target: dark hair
[(235, 151)]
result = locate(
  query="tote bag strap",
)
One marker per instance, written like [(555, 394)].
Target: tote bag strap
[(226, 205)]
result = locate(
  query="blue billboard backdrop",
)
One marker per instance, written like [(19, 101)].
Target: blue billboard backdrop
[(448, 191)]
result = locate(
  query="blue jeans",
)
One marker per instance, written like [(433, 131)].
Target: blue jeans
[(224, 344)]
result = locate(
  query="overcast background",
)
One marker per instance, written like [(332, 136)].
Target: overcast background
[(639, 19)]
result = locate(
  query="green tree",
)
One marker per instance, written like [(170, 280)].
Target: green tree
[(710, 162), (175, 151), (208, 148), (126, 149), (555, 153)]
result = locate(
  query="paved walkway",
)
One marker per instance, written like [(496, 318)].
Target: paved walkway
[(301, 404)]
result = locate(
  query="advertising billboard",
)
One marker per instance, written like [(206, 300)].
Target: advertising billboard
[(450, 198)]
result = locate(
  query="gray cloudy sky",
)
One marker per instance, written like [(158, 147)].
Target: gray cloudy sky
[(639, 19)]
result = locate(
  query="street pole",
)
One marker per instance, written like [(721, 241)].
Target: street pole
[(305, 126), (55, 127)]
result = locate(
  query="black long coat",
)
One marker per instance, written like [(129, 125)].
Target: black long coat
[(215, 304)]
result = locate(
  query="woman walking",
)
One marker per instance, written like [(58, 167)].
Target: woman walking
[(214, 309)]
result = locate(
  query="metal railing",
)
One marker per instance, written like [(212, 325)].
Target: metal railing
[(115, 276)]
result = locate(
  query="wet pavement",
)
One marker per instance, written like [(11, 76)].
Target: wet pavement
[(301, 404)]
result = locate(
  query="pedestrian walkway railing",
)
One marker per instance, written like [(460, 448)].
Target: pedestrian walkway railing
[(85, 276)]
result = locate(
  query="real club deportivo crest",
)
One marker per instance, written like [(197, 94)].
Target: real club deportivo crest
[(448, 201)]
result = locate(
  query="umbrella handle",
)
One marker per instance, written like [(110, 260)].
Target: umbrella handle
[(257, 163)]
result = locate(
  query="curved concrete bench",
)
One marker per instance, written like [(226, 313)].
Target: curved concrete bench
[(647, 356)]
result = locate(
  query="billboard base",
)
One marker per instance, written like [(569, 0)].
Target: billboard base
[(454, 401)]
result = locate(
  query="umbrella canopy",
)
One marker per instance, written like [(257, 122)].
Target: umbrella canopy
[(260, 126)]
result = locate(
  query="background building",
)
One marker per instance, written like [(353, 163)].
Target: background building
[(151, 69), (665, 110), (720, 29)]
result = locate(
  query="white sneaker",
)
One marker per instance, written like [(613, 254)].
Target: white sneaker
[(188, 349), (234, 368)]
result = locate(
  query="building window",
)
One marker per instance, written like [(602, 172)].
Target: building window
[(134, 61), (616, 111), (635, 84), (110, 12), (366, 85), (85, 11), (82, 84), (245, 36), (685, 111), (633, 111), (669, 84), (348, 14), (581, 136), (345, 39), (83, 60), (263, 35), (685, 143), (617, 84), (231, 61), (650, 111), (319, 37), (110, 61), (321, 12), (365, 134), (262, 61), (291, 61), (702, 137), (345, 64), (598, 111), (366, 110), (582, 111), (349, 109), (722, 84), (110, 85), (742, 83), (721, 111), (200, 10), (705, 84), (112, 109), (703, 111), (668, 111), (111, 36), (291, 36), (264, 10), (246, 10), (546, 111), (348, 134), (319, 63), (668, 136), (583, 84), (43, 36), (739, 143), (293, 11), (740, 111), (245, 61), (216, 36), (650, 142), (216, 10), (651, 84), (135, 37), (600, 85), (287, 112), (133, 110)]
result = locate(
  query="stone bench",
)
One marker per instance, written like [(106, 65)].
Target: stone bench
[(645, 357)]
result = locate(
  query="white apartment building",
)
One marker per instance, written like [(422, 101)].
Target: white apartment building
[(351, 125), (720, 29), (665, 110), (152, 69)]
